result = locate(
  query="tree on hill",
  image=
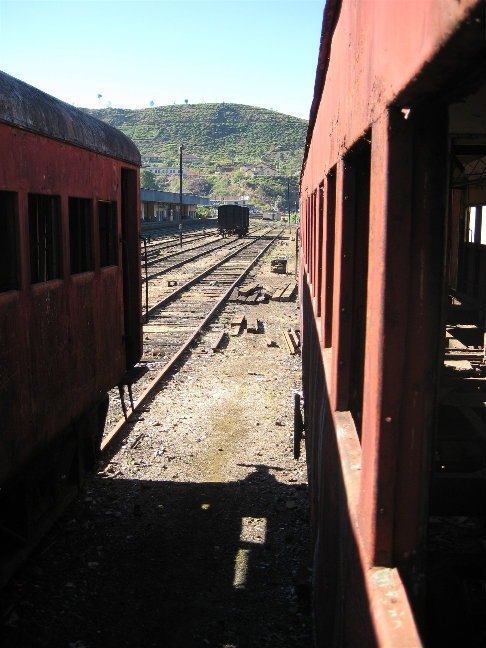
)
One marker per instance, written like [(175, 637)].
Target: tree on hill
[(147, 180), (219, 135), (197, 185)]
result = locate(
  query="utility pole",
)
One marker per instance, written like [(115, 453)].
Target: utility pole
[(288, 199), (180, 194)]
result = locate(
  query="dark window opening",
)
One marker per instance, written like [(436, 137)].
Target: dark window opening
[(81, 234), (129, 209), (108, 232), (9, 275), (475, 224), (318, 243), (358, 164), (45, 237), (328, 267)]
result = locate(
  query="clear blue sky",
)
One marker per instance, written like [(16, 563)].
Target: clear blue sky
[(257, 52)]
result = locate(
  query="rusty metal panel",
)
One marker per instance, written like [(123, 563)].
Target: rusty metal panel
[(356, 604), (384, 73), (62, 341), (378, 48)]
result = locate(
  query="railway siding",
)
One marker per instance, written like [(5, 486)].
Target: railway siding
[(179, 318)]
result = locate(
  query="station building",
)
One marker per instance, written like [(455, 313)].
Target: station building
[(160, 206)]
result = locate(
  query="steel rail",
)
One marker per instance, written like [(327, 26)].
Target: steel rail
[(171, 296), (217, 246), (162, 245), (185, 260), (182, 349)]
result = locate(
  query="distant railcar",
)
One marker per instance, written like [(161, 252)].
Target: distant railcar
[(70, 306), (393, 302), (271, 215), (233, 219)]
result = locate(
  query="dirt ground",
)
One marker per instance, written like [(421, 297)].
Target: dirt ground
[(194, 531)]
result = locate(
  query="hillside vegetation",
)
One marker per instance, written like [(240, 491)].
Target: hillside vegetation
[(224, 137)]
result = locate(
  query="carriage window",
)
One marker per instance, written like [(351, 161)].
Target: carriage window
[(9, 279), (482, 209), (356, 217), (328, 264), (470, 233), (44, 237), (108, 232), (475, 230), (81, 234)]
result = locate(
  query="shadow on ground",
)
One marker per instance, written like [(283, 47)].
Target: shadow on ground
[(169, 564)]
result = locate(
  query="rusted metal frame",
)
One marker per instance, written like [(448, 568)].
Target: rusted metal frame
[(307, 323), (310, 233), (315, 395), (307, 236), (312, 245), (343, 288), (332, 9), (360, 157), (322, 306), (318, 278), (329, 218), (308, 239), (302, 226), (194, 335), (305, 231), (423, 347), (310, 265), (388, 280), (131, 260), (455, 237)]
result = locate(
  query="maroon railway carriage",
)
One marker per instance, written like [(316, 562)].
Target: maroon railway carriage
[(70, 307), (393, 294)]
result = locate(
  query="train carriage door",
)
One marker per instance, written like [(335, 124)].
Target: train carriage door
[(131, 267)]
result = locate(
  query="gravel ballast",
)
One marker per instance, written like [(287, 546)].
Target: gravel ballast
[(194, 531)]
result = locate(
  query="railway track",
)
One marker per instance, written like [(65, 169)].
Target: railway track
[(186, 262), (161, 246), (177, 320)]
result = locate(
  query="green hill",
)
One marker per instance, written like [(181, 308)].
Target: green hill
[(223, 137)]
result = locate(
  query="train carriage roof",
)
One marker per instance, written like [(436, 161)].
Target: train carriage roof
[(26, 107)]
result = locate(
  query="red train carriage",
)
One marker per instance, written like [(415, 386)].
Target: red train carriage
[(69, 299), (392, 283)]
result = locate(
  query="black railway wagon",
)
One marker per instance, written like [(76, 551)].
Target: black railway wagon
[(70, 303), (233, 219)]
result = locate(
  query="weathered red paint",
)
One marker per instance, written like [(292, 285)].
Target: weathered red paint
[(62, 341), (377, 49), (382, 70)]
